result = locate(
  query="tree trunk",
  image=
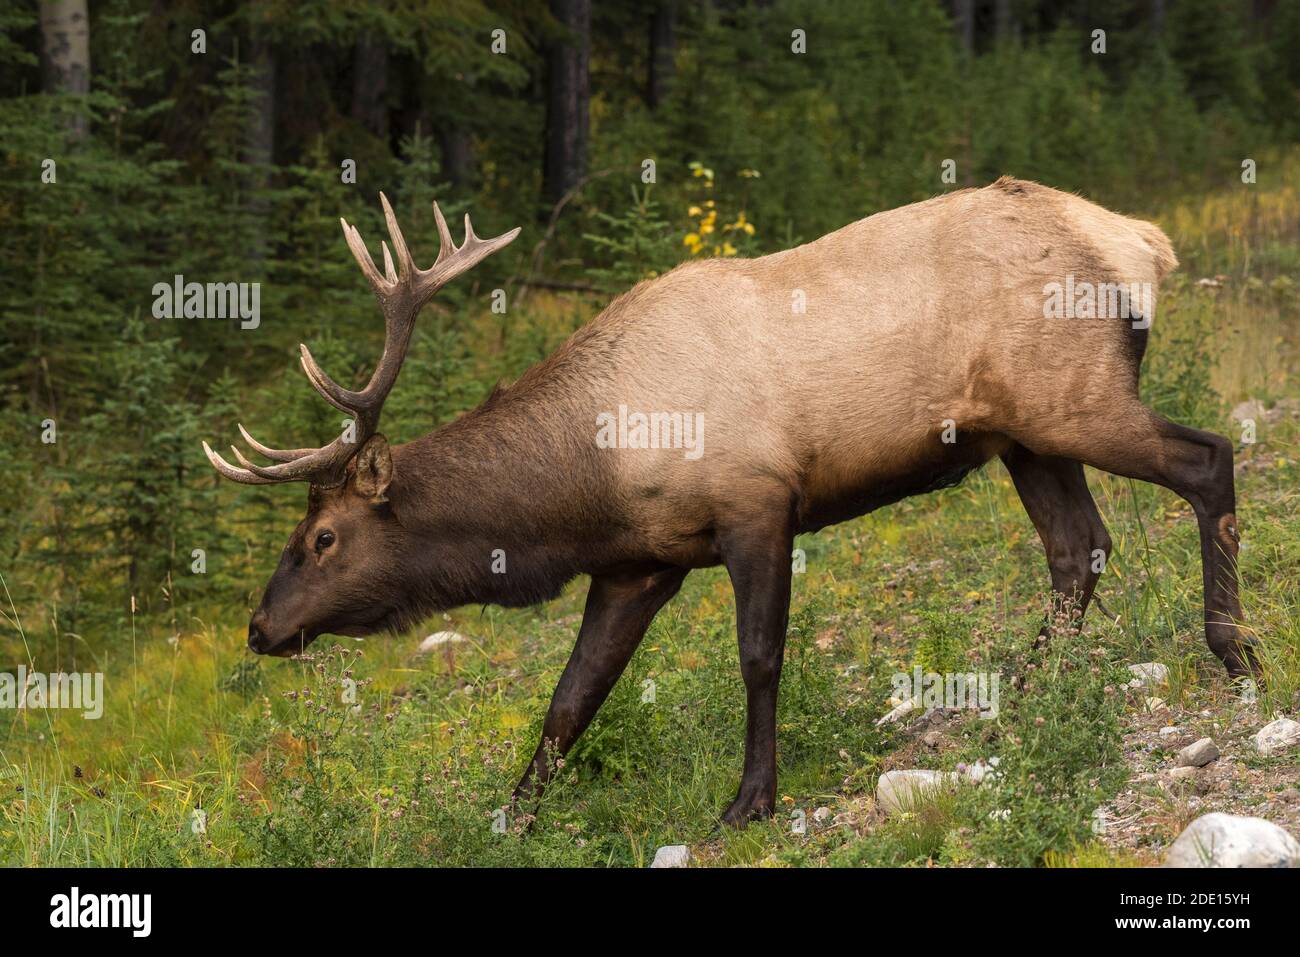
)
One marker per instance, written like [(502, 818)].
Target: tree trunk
[(259, 138), (963, 16), (663, 43), (65, 41), (567, 98), (457, 150), (370, 85), (1157, 17), (1003, 24)]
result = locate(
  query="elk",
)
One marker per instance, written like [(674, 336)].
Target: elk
[(917, 325)]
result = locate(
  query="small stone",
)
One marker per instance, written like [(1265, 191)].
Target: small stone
[(1278, 736), (898, 713), (1170, 729), (931, 739), (1250, 409), (821, 815), (1148, 674), (672, 855), (1228, 840), (1198, 754), (1155, 704), (1183, 772), (438, 640), (901, 790)]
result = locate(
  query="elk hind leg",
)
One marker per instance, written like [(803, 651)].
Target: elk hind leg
[(1133, 441), (1055, 493)]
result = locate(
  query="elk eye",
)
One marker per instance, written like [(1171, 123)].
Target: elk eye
[(324, 540)]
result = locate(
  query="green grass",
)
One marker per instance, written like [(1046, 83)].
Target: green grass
[(208, 756)]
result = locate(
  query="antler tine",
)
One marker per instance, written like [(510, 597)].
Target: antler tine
[(446, 245), (405, 267), (345, 400), (275, 455), (242, 476), (362, 256), (389, 272)]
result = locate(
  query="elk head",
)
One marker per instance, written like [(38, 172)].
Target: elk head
[(341, 571)]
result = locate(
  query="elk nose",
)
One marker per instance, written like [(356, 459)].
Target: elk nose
[(256, 636)]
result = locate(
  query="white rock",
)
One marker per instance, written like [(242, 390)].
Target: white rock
[(1227, 840), (1155, 704), (1278, 736), (1250, 409), (898, 713), (821, 815), (1148, 674), (901, 790), (672, 855), (1198, 754), (1183, 772), (439, 640), (1170, 729)]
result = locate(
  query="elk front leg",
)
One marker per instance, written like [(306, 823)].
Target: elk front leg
[(619, 610), (758, 561)]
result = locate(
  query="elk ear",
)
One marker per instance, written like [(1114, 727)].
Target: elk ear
[(373, 470)]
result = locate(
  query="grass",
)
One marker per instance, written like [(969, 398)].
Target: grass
[(365, 754)]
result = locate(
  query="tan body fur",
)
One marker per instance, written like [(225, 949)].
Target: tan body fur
[(914, 316)]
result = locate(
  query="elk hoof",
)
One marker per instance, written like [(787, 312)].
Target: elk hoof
[(748, 806)]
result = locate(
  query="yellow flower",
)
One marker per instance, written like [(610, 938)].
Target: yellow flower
[(691, 239), (749, 228), (706, 227), (728, 249), (693, 211)]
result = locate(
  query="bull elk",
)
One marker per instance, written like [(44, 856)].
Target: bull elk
[(914, 321)]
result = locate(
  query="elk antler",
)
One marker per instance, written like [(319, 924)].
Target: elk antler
[(401, 292)]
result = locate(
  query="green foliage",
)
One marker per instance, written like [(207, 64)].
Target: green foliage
[(1058, 748), (941, 648)]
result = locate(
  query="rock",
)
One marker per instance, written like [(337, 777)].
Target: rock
[(822, 815), (1198, 754), (898, 713), (931, 739), (1155, 704), (438, 640), (1183, 772), (672, 855), (1227, 840), (1278, 736), (1170, 729), (901, 790), (1148, 674), (1250, 409)]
